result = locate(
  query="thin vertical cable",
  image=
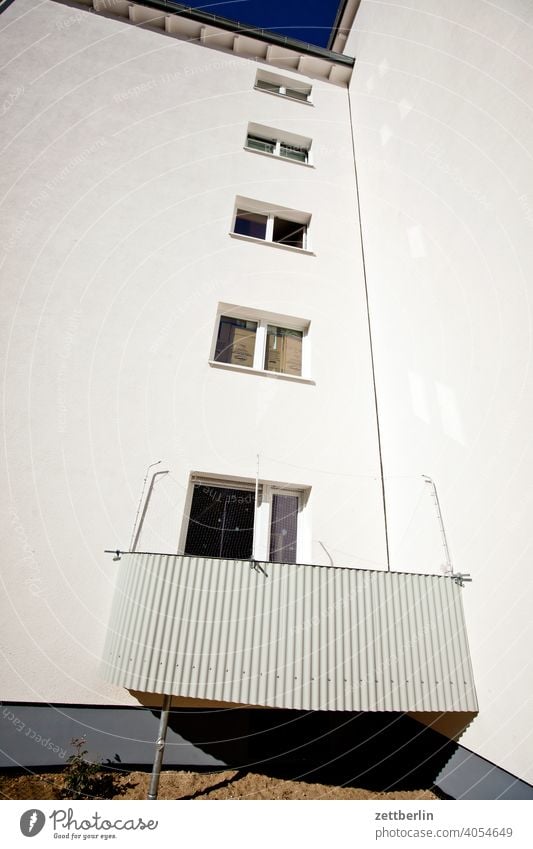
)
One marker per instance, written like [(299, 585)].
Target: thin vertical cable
[(256, 507), (378, 427)]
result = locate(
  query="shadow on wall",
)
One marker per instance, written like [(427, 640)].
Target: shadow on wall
[(376, 751)]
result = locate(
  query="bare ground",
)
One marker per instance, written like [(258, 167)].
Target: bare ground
[(231, 784)]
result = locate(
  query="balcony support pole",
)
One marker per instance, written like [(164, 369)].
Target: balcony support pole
[(160, 748)]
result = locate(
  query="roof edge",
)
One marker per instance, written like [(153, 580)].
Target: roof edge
[(342, 25), (246, 29)]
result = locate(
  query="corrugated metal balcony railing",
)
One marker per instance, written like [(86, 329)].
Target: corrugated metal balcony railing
[(280, 635)]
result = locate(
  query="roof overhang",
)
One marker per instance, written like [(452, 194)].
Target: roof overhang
[(223, 34), (343, 23)]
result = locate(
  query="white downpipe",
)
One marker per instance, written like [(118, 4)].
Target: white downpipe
[(448, 564)]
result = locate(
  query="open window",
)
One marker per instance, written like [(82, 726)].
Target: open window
[(224, 521), (285, 231), (276, 225)]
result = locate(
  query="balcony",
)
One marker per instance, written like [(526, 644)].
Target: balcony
[(289, 636)]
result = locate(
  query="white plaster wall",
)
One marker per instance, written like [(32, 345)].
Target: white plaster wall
[(123, 154), (442, 99)]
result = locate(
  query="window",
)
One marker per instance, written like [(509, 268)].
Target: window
[(285, 145), (224, 521), (277, 226), (264, 341), (284, 86)]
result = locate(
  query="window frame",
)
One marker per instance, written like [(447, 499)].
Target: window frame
[(278, 140), (263, 320), (263, 513), (271, 213), (280, 85)]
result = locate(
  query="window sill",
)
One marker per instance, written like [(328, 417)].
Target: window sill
[(271, 244), (262, 372), (278, 158), (284, 96)]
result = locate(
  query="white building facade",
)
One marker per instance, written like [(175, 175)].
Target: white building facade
[(441, 96), (224, 281)]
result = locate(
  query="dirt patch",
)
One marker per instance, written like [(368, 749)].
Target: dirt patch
[(44, 786), (231, 784)]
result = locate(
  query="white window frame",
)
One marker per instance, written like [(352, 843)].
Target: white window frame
[(263, 319), (279, 138), (263, 512), (284, 84), (271, 212)]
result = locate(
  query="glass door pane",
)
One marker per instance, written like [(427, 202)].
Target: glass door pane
[(283, 528), (221, 523)]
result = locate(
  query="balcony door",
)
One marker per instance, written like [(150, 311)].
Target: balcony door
[(221, 522)]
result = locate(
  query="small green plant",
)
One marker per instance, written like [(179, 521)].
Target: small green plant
[(86, 779)]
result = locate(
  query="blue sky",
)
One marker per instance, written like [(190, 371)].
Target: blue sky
[(308, 20)]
